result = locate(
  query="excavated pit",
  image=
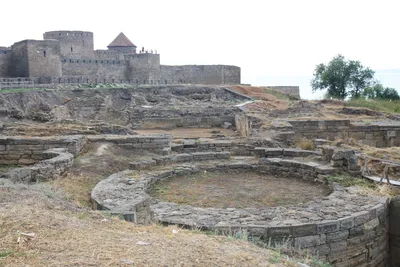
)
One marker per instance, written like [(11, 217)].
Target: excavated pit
[(236, 189)]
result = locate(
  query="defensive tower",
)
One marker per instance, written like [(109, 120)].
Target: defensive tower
[(73, 44)]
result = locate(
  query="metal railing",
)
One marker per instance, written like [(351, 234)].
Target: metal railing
[(16, 84)]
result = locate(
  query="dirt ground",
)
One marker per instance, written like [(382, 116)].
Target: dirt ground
[(63, 235), (100, 161), (236, 189)]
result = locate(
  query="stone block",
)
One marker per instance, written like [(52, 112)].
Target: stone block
[(361, 217), (346, 223), (148, 145), (338, 246), (337, 236), (304, 230), (182, 157), (279, 231), (309, 241), (328, 227), (223, 155), (273, 152)]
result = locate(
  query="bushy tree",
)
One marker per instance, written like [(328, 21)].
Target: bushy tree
[(342, 78), (377, 91)]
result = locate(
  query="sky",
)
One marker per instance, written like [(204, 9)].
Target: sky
[(275, 42)]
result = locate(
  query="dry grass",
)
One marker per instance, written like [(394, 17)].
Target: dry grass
[(235, 189), (264, 94), (97, 163), (67, 236), (305, 144)]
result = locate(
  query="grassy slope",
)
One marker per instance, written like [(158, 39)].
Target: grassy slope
[(69, 236)]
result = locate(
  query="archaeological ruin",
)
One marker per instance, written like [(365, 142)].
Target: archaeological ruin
[(190, 146)]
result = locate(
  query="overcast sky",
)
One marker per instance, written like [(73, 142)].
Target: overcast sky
[(274, 42)]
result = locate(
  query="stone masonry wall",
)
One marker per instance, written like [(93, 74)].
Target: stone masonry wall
[(372, 135), (200, 74), (93, 71), (346, 228), (394, 232), (57, 161), (29, 150), (5, 56), (44, 58), (159, 143), (73, 44)]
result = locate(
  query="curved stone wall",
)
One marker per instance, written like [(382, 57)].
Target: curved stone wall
[(57, 162), (346, 228)]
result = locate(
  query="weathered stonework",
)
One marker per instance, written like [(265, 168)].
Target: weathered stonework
[(345, 228), (29, 150), (159, 143), (57, 161), (69, 57), (372, 135)]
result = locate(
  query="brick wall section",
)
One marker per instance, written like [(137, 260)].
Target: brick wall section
[(372, 135), (29, 150)]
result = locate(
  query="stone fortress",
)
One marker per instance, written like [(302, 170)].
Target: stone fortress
[(69, 57)]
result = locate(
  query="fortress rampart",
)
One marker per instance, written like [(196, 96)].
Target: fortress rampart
[(69, 57)]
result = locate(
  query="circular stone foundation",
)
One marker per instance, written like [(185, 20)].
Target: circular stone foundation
[(236, 189), (345, 228)]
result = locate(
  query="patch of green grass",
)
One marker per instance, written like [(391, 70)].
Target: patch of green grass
[(347, 180), (378, 105), (6, 168), (6, 253), (19, 90)]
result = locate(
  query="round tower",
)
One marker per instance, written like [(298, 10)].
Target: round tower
[(74, 44)]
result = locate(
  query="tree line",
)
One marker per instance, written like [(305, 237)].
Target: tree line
[(343, 78)]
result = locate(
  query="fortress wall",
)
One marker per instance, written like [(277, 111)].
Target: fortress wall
[(19, 66), (107, 54), (44, 58), (74, 44), (200, 74), (5, 56), (144, 67), (94, 70)]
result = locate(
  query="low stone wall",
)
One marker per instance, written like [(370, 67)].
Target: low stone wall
[(310, 171), (57, 162), (372, 135), (394, 232), (29, 150), (237, 148), (173, 117), (158, 143), (177, 158), (266, 152), (346, 228)]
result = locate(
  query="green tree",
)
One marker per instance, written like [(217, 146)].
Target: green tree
[(377, 91), (342, 78)]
